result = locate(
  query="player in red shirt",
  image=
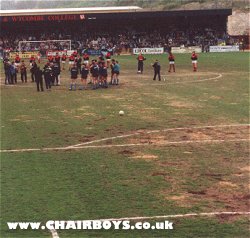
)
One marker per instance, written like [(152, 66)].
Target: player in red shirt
[(64, 58), (75, 54), (32, 60), (50, 58), (38, 57), (140, 59), (71, 61), (86, 59), (194, 59), (171, 62), (108, 58), (17, 61), (57, 59)]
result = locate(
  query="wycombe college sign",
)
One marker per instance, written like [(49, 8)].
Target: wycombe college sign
[(42, 18)]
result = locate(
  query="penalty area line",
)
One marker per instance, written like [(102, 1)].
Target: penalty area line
[(202, 214), (125, 145), (155, 144), (177, 216)]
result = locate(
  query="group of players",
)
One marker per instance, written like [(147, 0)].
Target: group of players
[(11, 69), (97, 69), (50, 74)]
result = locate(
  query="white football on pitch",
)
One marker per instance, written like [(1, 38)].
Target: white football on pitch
[(121, 113)]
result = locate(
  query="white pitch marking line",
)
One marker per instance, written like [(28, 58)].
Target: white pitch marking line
[(54, 233), (155, 144), (193, 81), (105, 139), (21, 150), (125, 145), (174, 216), (209, 214), (190, 74)]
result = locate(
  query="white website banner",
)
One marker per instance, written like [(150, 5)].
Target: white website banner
[(150, 51), (225, 48), (91, 225), (189, 49)]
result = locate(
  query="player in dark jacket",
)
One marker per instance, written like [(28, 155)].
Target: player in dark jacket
[(23, 70), (13, 73), (56, 73), (57, 59), (103, 74), (33, 70), (112, 71), (47, 72), (79, 63), (95, 74), (6, 63), (101, 59), (157, 70), (39, 79), (73, 74), (84, 76)]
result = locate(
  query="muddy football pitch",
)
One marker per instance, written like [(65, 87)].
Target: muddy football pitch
[(179, 153)]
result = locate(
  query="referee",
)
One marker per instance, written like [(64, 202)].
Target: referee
[(157, 70), (39, 79)]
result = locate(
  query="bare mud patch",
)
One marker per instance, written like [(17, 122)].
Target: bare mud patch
[(83, 108), (192, 135), (215, 97), (145, 157), (246, 169), (227, 184), (179, 104)]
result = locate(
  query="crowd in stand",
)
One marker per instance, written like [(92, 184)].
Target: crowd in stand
[(122, 40)]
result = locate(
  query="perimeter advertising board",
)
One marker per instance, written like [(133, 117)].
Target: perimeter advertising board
[(23, 55), (225, 48), (189, 49), (149, 51), (59, 52)]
